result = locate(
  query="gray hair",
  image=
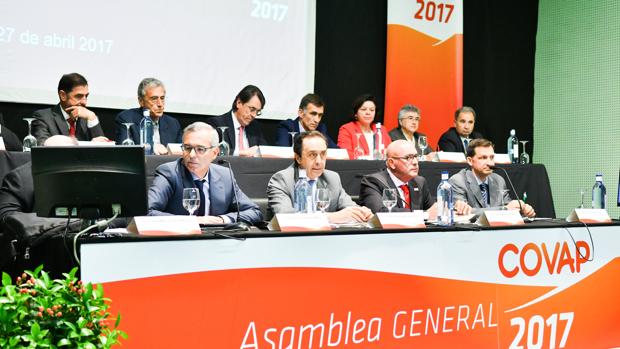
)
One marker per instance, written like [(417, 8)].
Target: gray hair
[(203, 126), (407, 108), (147, 83)]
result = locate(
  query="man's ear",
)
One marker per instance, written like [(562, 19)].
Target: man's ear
[(62, 95), (297, 159), (469, 160)]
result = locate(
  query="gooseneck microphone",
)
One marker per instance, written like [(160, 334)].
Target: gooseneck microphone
[(238, 225), (511, 186)]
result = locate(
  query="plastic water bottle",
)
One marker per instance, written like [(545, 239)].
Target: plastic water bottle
[(445, 203), (513, 147), (599, 193), (379, 148), (146, 132), (303, 194)]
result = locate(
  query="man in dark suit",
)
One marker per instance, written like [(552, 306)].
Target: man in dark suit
[(9, 139), (195, 170), (479, 186), (70, 116), (243, 135), (152, 98), (309, 115), (408, 123), (401, 174), (457, 137)]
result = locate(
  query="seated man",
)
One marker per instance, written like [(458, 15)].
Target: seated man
[(408, 123), (166, 129), (310, 154), (309, 115), (69, 117), (9, 139), (479, 186), (194, 169), (457, 137), (243, 134), (401, 173)]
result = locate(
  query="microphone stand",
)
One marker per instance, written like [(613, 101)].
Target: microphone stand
[(512, 187), (238, 225)]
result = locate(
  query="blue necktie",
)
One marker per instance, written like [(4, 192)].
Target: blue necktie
[(200, 185), (465, 144), (484, 190)]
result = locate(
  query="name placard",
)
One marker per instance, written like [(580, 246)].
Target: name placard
[(398, 220), (589, 215), (164, 225), (447, 156), (500, 218), (174, 149), (502, 158), (96, 144), (268, 151), (300, 222), (337, 154)]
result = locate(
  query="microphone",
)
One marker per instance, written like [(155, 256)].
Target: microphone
[(238, 225), (511, 186)]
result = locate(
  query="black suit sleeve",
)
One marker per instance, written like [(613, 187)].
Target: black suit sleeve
[(371, 195), (11, 141)]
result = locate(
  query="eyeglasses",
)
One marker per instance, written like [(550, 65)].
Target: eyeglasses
[(408, 158), (412, 118), (199, 149), (253, 110)]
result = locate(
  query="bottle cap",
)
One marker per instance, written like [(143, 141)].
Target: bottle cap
[(444, 174), (512, 132)]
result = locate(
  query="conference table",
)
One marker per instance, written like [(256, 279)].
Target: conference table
[(253, 174)]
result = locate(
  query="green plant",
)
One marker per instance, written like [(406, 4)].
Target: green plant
[(37, 312)]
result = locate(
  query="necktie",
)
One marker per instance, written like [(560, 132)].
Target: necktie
[(240, 138), (465, 142), (200, 185), (484, 190), (71, 122), (407, 197)]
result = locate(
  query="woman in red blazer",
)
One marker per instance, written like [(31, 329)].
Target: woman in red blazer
[(364, 109)]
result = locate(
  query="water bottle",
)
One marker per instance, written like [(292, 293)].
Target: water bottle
[(379, 148), (513, 147), (445, 204), (599, 193), (303, 194), (146, 132)]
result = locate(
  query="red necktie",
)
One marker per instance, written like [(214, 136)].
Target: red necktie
[(407, 198), (71, 122), (241, 145)]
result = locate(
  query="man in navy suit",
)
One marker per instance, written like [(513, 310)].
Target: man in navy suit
[(195, 170), (309, 115), (458, 137), (242, 133), (166, 129)]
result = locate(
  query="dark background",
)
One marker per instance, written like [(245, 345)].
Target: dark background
[(498, 54)]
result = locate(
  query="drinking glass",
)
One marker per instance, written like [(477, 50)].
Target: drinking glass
[(293, 133), (389, 198), (322, 199), (358, 151), (502, 194), (224, 146), (191, 200), (582, 193), (29, 140), (423, 144), (128, 140), (524, 158)]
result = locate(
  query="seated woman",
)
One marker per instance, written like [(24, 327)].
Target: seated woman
[(361, 129), (408, 122)]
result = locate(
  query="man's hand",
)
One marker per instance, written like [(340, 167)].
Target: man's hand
[(100, 139), (432, 212), (462, 207), (160, 149), (81, 112), (250, 152), (430, 156), (527, 211), (350, 214), (210, 220)]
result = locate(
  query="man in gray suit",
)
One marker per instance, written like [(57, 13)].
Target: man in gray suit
[(195, 170), (479, 186), (310, 154), (69, 117)]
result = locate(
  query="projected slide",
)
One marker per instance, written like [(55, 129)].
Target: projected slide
[(204, 51)]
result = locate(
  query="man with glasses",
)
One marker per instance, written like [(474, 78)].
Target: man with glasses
[(310, 155), (401, 174), (196, 170), (309, 115), (408, 123), (70, 116), (243, 134)]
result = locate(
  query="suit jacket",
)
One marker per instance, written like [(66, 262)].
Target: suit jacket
[(451, 141), (283, 138), (17, 191), (281, 186), (50, 122), (10, 139), (371, 192), (252, 131), (347, 138), (166, 193), (397, 133), (466, 188), (169, 127)]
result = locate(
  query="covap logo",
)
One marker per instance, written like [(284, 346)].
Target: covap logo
[(533, 259)]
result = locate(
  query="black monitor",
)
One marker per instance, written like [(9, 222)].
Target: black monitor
[(88, 182)]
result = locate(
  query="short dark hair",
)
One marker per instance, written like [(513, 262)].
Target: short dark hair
[(70, 81), (478, 142), (246, 94), (311, 98), (299, 140), (464, 109), (359, 101)]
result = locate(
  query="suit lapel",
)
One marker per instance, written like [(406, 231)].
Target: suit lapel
[(388, 180), (414, 194), (60, 121), (474, 187), (216, 193), (230, 131)]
